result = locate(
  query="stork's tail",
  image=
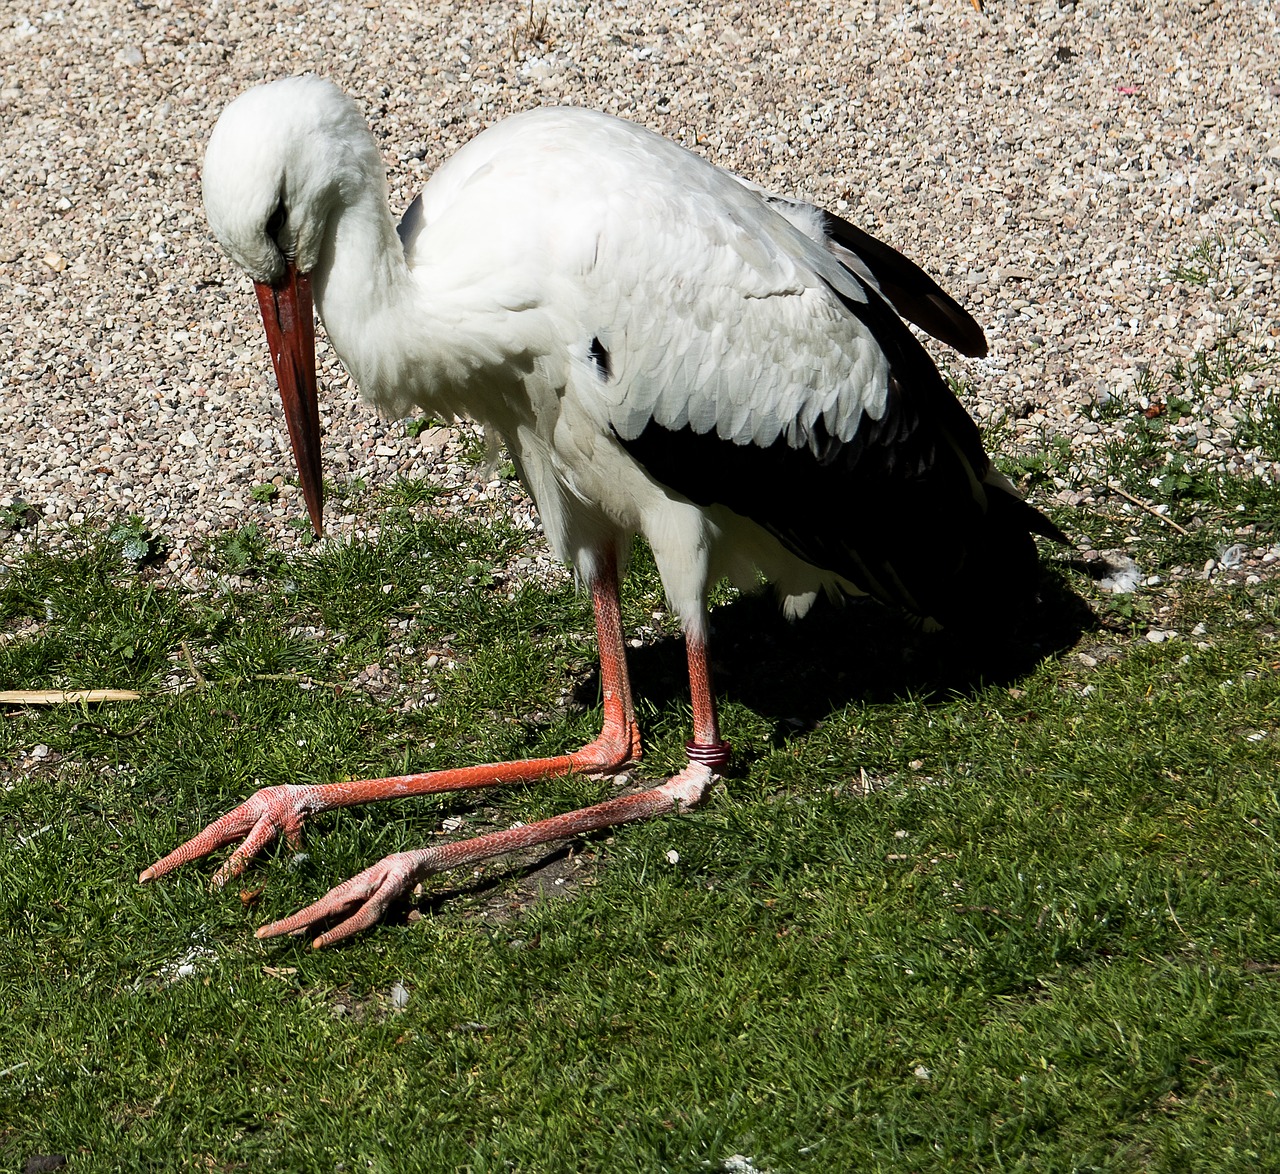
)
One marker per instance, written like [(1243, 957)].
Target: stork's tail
[(1032, 518)]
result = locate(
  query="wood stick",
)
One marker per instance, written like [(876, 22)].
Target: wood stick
[(1155, 513), (64, 696)]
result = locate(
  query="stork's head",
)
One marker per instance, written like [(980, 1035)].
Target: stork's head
[(283, 160)]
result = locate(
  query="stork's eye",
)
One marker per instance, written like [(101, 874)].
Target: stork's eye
[(276, 223)]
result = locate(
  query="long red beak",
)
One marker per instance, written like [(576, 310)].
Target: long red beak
[(291, 334)]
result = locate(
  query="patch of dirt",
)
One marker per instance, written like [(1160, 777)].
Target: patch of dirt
[(502, 890)]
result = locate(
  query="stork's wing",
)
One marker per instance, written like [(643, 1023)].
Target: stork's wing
[(913, 293), (721, 315), (744, 365), (843, 440)]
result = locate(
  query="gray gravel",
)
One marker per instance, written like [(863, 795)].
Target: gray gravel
[(1051, 165)]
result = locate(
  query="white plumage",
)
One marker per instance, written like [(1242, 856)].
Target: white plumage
[(664, 348)]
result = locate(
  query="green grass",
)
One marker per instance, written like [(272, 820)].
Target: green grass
[(1045, 939), (1015, 911)]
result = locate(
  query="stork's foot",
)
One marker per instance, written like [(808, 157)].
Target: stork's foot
[(259, 820), (370, 893), (373, 891)]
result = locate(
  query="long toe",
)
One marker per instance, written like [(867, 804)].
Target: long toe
[(371, 894), (262, 817)]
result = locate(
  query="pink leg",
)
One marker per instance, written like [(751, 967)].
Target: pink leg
[(273, 810), (706, 745), (372, 892)]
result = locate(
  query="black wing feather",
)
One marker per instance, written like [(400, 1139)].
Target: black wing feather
[(912, 292)]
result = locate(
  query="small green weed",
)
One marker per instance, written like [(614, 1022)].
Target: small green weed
[(408, 492), (1209, 261), (18, 515), (475, 447), (306, 535), (244, 551), (1039, 463), (137, 543)]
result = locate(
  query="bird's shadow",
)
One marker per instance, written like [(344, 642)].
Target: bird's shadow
[(797, 673)]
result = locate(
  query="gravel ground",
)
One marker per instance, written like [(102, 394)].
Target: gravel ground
[(1051, 165)]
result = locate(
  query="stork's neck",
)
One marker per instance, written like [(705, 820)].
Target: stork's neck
[(435, 338), (364, 295)]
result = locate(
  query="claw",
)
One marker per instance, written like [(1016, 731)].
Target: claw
[(374, 891), (378, 887), (258, 821)]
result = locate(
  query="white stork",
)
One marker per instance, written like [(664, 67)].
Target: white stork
[(665, 350)]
